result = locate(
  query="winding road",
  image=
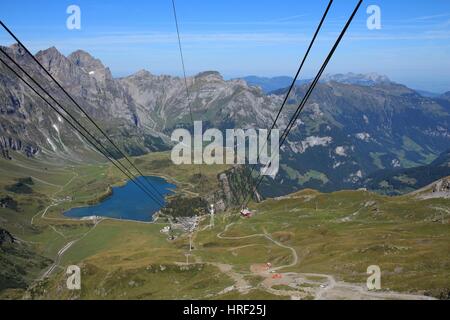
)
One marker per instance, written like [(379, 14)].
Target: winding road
[(328, 288), (68, 245)]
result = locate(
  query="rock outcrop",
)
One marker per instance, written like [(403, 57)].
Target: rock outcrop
[(438, 189), (6, 237), (234, 186), (442, 186), (9, 143)]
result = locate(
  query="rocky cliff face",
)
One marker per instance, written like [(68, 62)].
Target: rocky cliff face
[(219, 103), (439, 189), (442, 186), (28, 124), (233, 188), (9, 143)]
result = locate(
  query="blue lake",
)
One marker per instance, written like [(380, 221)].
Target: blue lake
[(127, 202)]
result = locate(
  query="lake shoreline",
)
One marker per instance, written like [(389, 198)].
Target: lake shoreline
[(124, 201)]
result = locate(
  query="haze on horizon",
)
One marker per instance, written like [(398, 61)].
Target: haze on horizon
[(240, 39)]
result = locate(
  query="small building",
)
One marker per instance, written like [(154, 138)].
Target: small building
[(246, 213), (166, 229)]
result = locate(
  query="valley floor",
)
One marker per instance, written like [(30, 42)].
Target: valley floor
[(304, 246)]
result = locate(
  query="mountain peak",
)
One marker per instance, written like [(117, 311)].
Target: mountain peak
[(85, 60), (52, 49), (210, 76), (16, 48), (50, 53), (90, 64), (51, 58), (143, 73)]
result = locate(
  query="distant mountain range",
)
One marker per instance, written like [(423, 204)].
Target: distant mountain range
[(353, 125), (269, 85), (428, 94), (351, 131)]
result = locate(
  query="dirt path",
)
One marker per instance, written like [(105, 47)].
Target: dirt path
[(240, 284), (68, 245), (55, 202), (355, 292), (64, 249), (294, 253), (268, 237)]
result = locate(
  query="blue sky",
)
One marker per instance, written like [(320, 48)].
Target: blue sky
[(239, 38)]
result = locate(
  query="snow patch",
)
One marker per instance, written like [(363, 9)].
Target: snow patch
[(355, 177), (55, 127), (337, 164), (366, 119), (340, 151), (294, 147), (364, 136), (297, 124), (314, 141), (316, 112), (309, 142), (51, 144), (395, 163)]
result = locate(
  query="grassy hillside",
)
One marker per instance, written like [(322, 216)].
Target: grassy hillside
[(36, 193), (345, 232), (337, 234), (307, 237)]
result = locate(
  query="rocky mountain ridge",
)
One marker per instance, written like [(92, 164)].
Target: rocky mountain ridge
[(346, 132)]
